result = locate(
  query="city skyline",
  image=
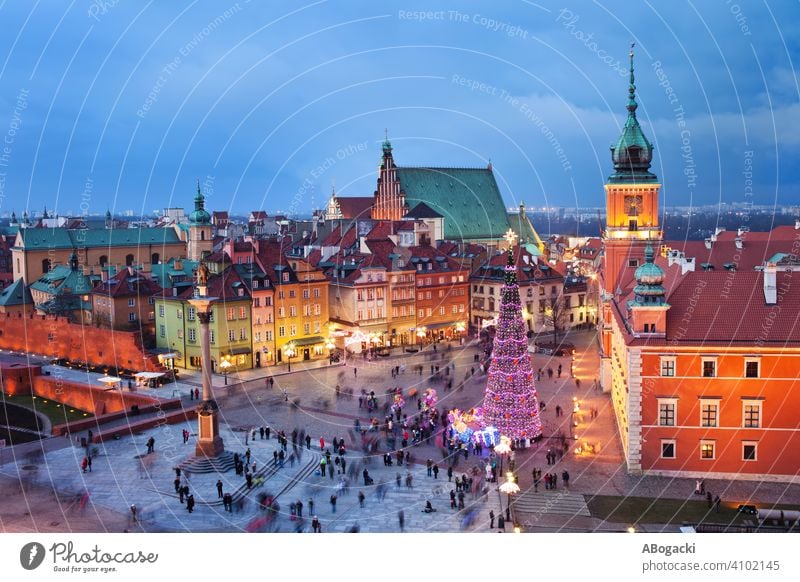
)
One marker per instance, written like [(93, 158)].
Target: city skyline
[(269, 110)]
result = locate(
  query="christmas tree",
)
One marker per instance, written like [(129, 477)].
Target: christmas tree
[(510, 404)]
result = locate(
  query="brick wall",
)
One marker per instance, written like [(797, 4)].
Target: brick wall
[(96, 400), (57, 338)]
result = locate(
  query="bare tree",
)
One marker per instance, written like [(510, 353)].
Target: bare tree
[(555, 316)]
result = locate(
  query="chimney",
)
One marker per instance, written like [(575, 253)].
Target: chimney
[(797, 224), (718, 230), (708, 242), (739, 242), (770, 284)]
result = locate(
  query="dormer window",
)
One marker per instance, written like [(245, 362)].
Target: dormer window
[(285, 277)]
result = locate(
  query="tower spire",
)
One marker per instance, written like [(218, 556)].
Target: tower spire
[(632, 105)]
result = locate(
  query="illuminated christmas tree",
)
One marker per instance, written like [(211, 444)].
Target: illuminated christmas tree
[(510, 403)]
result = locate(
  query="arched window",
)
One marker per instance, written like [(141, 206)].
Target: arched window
[(202, 235), (129, 260), (46, 265), (103, 261), (154, 258)]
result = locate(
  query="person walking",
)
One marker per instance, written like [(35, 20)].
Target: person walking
[(84, 464), (449, 474), (361, 498), (565, 479), (333, 503), (491, 519), (219, 489), (401, 518), (316, 525), (435, 471), (717, 503), (134, 518), (321, 443), (190, 503)]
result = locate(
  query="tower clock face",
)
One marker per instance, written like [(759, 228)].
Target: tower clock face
[(633, 204)]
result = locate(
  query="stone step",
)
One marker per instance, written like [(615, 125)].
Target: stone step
[(202, 465), (554, 502)]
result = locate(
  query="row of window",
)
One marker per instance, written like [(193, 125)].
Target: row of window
[(293, 329), (708, 450), (192, 334), (441, 281), (427, 295), (308, 310), (709, 412), (708, 367)]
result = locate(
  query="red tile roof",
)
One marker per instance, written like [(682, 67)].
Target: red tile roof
[(127, 284), (355, 206)]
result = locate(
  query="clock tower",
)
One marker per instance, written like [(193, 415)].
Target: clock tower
[(631, 200), (631, 218)]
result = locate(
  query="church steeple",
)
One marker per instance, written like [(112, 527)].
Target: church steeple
[(389, 201), (633, 152)]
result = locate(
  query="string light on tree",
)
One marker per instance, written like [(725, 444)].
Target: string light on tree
[(510, 403)]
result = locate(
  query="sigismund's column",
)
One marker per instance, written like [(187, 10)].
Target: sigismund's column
[(209, 443)]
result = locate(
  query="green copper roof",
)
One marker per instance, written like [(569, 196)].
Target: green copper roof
[(63, 280), (199, 215), (165, 272), (467, 198), (632, 153), (61, 238), (649, 277), (16, 294)]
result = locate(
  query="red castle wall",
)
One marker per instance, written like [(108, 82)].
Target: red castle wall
[(97, 400), (57, 338)]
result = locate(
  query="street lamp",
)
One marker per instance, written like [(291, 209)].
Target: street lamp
[(510, 488), (503, 448), (225, 364), (289, 354), (421, 331)]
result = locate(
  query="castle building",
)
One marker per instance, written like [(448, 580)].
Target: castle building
[(699, 341)]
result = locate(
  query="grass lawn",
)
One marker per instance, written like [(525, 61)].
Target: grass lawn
[(55, 411), (648, 510)]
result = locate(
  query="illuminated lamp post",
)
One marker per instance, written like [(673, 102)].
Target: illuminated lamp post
[(290, 353), (509, 488), (502, 448), (225, 364)]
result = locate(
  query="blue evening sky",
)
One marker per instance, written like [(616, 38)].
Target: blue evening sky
[(124, 104)]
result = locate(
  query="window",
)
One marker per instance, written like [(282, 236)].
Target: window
[(281, 331), (190, 314), (151, 300), (161, 310), (281, 312), (211, 336), (257, 337), (305, 293), (280, 294), (256, 302), (285, 277), (667, 449), (306, 329), (180, 333), (491, 290), (633, 262), (192, 335), (709, 367), (751, 368), (292, 311), (666, 411), (268, 335), (179, 313), (317, 327), (707, 450), (231, 335), (292, 330), (291, 293), (749, 451), (242, 312), (455, 309), (316, 293), (132, 316), (128, 260), (441, 310), (751, 413), (242, 333), (131, 302), (162, 331), (708, 413), (230, 313)]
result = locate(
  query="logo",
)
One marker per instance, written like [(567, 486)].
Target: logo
[(31, 555)]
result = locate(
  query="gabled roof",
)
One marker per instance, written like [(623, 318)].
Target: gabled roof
[(127, 284), (467, 198), (227, 286), (16, 294), (522, 226), (422, 210), (528, 271), (355, 206), (165, 273), (63, 280)]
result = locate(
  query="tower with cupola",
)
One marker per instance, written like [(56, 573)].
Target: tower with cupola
[(632, 224), (200, 240)]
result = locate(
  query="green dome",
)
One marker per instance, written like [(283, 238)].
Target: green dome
[(649, 277), (632, 153), (199, 215)]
